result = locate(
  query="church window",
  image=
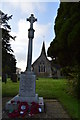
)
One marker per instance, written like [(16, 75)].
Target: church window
[(42, 67), (39, 68)]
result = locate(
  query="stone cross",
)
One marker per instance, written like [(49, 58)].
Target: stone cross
[(31, 19)]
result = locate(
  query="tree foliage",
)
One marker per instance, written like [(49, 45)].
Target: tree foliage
[(66, 44), (8, 59)]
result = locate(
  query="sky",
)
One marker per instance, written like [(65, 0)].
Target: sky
[(45, 12)]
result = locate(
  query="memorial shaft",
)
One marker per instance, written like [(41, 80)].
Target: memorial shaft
[(31, 31), (29, 57)]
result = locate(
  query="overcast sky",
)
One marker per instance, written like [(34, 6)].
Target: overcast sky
[(45, 12)]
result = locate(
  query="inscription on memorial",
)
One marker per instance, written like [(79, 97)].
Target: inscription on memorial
[(27, 85)]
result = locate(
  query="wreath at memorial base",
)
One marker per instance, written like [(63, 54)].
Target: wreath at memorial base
[(24, 108), (14, 114), (21, 111), (34, 108)]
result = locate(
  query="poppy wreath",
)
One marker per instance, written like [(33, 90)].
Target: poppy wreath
[(23, 110), (34, 108), (16, 113)]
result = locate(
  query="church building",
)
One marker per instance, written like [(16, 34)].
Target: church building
[(42, 66)]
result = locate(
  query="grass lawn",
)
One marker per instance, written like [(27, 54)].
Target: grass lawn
[(48, 88)]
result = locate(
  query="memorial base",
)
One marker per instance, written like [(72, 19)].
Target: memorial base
[(26, 92), (14, 105)]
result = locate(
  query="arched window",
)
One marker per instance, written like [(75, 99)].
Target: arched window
[(42, 67), (39, 68)]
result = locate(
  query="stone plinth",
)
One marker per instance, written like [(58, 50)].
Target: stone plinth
[(27, 84)]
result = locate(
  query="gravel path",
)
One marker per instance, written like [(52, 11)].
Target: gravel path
[(53, 110)]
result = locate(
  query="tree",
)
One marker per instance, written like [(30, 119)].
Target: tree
[(66, 44), (8, 59)]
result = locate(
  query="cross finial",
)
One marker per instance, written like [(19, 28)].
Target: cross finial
[(31, 19)]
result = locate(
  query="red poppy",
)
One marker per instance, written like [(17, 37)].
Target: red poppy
[(23, 106), (12, 101), (34, 108), (18, 102)]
